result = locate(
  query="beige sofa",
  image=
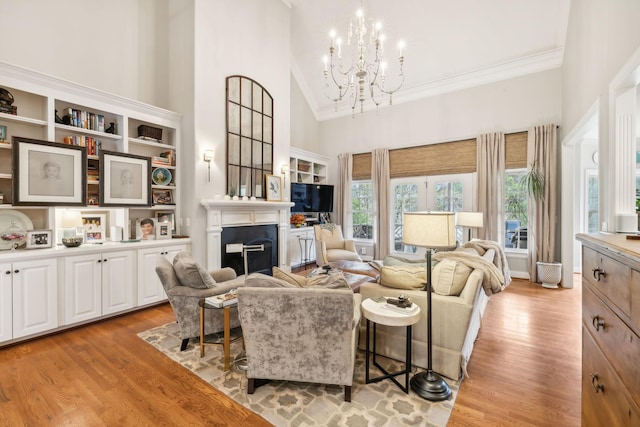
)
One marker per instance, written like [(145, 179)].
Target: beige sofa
[(456, 318)]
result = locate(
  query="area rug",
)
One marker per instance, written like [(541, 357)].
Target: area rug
[(288, 404)]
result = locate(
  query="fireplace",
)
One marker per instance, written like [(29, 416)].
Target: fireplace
[(249, 216), (258, 243)]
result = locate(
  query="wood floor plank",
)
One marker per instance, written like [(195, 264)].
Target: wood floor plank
[(524, 371)]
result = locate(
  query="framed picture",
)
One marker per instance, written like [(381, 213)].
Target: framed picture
[(163, 230), (145, 228), (274, 188), (95, 227), (3, 133), (48, 173), (125, 179), (39, 239), (167, 216), (162, 197)]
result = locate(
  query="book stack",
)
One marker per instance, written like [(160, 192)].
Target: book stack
[(160, 161), (92, 173), (406, 310), (223, 300), (9, 109), (84, 119)]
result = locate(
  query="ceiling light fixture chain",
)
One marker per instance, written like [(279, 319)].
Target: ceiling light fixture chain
[(367, 72)]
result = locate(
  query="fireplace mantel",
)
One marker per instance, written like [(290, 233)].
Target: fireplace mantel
[(237, 213)]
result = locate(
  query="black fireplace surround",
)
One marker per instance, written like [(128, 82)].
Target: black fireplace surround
[(257, 261)]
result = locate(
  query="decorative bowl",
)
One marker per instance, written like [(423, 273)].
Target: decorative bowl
[(72, 242)]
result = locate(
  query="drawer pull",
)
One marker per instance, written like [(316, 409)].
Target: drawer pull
[(594, 383), (597, 322), (598, 273)]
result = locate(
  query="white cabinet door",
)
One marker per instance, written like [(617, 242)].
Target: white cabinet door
[(35, 297), (117, 281), (83, 288), (150, 289), (6, 303)]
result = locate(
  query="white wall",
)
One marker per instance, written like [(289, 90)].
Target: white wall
[(117, 46), (305, 129), (245, 37), (511, 105)]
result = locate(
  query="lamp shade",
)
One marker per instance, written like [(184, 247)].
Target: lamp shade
[(429, 229), (71, 219), (470, 219)]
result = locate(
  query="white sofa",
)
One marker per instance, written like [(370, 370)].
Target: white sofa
[(456, 322)]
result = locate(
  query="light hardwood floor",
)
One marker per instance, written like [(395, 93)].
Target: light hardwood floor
[(524, 370)]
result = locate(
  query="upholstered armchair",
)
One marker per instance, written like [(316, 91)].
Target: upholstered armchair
[(185, 282), (331, 245), (305, 334)]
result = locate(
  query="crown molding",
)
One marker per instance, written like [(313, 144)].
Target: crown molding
[(522, 66)]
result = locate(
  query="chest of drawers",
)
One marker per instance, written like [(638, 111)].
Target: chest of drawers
[(610, 331)]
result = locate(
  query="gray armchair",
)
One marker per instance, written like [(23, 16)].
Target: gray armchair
[(184, 298), (299, 334)]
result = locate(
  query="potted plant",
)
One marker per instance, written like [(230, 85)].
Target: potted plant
[(549, 271)]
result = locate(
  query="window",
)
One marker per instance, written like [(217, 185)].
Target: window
[(515, 207), (592, 201), (405, 199), (362, 196)]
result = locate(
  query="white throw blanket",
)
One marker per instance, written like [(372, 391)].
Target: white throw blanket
[(496, 275)]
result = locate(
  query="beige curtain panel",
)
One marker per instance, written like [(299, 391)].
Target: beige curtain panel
[(343, 208), (380, 184), (491, 165)]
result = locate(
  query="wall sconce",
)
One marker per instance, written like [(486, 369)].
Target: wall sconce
[(208, 157), (284, 169)]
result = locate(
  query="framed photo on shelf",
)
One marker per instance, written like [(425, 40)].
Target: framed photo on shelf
[(145, 229), (95, 226), (125, 179), (274, 188), (3, 133), (162, 197), (39, 239), (163, 230), (167, 216), (48, 174)]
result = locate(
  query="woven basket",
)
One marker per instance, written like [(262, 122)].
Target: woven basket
[(150, 132)]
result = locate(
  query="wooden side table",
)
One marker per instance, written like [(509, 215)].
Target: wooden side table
[(226, 342), (378, 313)]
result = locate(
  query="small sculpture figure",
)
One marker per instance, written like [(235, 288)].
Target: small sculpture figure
[(58, 119), (5, 97), (111, 128)]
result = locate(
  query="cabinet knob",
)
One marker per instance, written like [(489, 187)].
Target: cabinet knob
[(99, 260), (594, 383), (16, 271), (597, 322), (105, 260), (7, 272), (598, 273)]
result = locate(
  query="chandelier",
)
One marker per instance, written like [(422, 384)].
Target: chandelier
[(365, 77)]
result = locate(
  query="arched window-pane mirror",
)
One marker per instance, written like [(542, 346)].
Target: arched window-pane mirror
[(249, 137)]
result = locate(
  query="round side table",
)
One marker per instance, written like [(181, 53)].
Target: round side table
[(305, 250), (379, 313)]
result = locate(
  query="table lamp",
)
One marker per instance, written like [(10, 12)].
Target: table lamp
[(431, 230), (470, 220)]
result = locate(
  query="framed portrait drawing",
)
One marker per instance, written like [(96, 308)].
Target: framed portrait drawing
[(163, 230), (274, 188), (167, 216), (125, 179), (39, 239), (48, 173), (95, 226)]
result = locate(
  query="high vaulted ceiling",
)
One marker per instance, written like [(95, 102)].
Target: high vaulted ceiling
[(450, 44)]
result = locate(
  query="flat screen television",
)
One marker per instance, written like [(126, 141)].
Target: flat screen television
[(311, 197)]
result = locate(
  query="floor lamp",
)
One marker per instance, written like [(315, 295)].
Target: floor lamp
[(431, 230), (470, 220)]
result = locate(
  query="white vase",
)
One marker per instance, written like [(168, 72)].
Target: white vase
[(549, 273)]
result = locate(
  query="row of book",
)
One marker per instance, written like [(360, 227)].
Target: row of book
[(9, 109), (92, 144), (84, 119), (92, 173)]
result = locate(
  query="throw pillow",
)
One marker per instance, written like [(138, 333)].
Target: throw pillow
[(449, 277), (294, 279), (190, 273), (404, 276), (259, 280), (334, 280)]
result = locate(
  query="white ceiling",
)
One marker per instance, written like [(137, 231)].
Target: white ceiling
[(450, 44)]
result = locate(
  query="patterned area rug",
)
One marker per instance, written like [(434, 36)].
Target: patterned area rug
[(287, 403)]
